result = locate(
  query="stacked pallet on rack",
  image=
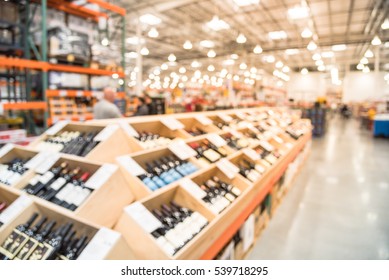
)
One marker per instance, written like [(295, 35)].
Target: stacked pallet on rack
[(218, 192)]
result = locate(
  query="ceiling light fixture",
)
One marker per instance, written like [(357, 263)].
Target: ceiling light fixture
[(277, 35), (338, 48), (144, 51), (164, 66), (211, 53), (376, 41), (241, 39), (243, 66), (292, 51), (182, 70), (328, 54), (319, 62), (236, 78), (242, 3), (187, 45), (279, 64), (385, 24), (316, 56), (234, 56), (253, 70), (258, 49), (134, 40), (304, 71), (153, 33), (195, 64), (270, 59), (207, 44), (321, 68), (366, 69), (217, 24), (150, 19), (298, 12), (312, 46), (369, 54), (211, 68), (172, 57), (360, 66), (105, 42), (364, 60), (229, 62), (306, 33), (285, 69), (131, 55)]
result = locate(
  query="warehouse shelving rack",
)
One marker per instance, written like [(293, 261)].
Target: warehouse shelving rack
[(27, 64)]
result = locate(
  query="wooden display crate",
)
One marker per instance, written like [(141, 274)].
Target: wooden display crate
[(143, 243), (105, 203), (115, 141), (138, 188), (112, 246), (9, 152), (193, 122), (238, 181)]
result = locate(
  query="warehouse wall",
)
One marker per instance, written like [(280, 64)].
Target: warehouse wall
[(306, 87), (358, 86)]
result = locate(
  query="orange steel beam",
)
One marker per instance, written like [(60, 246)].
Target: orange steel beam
[(227, 235), (82, 70), (25, 106), (109, 7), (23, 63)]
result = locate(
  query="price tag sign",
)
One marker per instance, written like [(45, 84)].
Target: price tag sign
[(266, 145), (203, 120), (236, 134), (100, 245), (241, 115), (106, 132), (247, 232), (48, 162), (5, 149), (181, 150), (143, 217), (128, 129), (278, 139), (216, 140), (251, 154), (101, 176), (193, 188), (227, 168), (268, 134), (225, 117), (131, 165), (56, 128), (17, 207), (172, 123), (37, 159)]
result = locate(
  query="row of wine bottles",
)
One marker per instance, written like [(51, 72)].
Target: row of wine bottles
[(42, 241), (179, 226), (70, 142), (61, 185), (166, 170), (219, 194), (152, 140), (195, 131), (208, 152), (11, 172)]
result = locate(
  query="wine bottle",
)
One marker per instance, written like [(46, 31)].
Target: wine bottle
[(74, 250), (170, 234), (3, 205), (234, 190), (226, 193), (60, 183), (200, 219), (210, 154), (220, 150), (155, 173), (178, 226), (6, 249), (35, 241), (53, 245), (47, 178), (23, 249), (56, 182), (161, 240), (80, 193), (187, 222)]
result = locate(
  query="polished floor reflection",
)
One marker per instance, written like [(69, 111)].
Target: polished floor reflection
[(338, 207)]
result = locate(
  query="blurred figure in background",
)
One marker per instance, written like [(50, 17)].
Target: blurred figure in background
[(105, 107), (142, 109)]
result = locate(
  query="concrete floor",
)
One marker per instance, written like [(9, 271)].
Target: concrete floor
[(338, 207)]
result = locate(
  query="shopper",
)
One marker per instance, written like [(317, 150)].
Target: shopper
[(142, 109), (105, 108)]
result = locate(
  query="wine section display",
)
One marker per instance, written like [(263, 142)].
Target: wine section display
[(183, 186)]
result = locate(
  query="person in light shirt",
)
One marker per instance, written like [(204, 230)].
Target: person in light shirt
[(105, 107)]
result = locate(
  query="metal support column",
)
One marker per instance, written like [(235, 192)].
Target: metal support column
[(139, 58), (44, 55), (124, 51)]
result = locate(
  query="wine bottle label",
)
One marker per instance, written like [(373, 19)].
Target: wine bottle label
[(191, 225), (224, 201), (64, 192), (200, 218), (183, 231), (253, 176), (14, 178), (230, 197), (68, 198), (47, 251), (37, 254), (8, 243), (28, 248), (165, 245), (172, 237), (46, 177), (58, 183), (219, 205), (18, 243), (235, 191), (82, 195), (260, 169)]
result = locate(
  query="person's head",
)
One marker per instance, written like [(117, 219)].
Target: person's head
[(109, 94), (141, 101)]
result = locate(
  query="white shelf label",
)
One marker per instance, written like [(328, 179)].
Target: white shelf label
[(56, 128), (128, 129), (216, 140), (131, 165), (225, 117), (63, 93), (247, 232), (266, 145), (236, 134), (203, 120), (268, 134), (143, 217), (181, 150), (278, 139), (101, 176), (100, 245), (6, 148), (172, 123), (227, 168), (251, 154), (193, 188), (36, 160), (17, 207), (79, 93), (49, 161), (106, 132), (1, 108)]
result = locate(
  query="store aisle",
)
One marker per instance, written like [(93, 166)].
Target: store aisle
[(338, 207)]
